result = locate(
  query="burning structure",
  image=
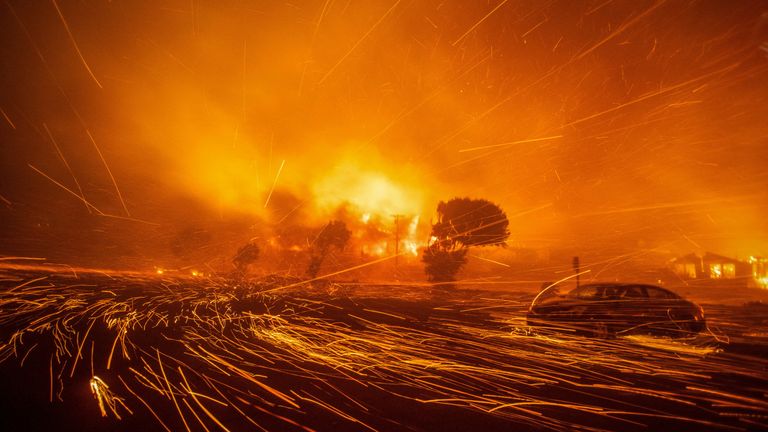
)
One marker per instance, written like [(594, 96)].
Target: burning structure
[(716, 268)]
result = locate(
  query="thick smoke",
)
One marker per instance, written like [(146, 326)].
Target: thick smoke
[(605, 126)]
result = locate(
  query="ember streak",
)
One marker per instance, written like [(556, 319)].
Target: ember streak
[(597, 125), (144, 143), (200, 353)]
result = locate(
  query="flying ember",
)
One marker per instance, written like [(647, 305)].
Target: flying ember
[(384, 215)]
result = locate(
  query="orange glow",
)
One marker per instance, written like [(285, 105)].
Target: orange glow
[(411, 247), (369, 192), (263, 179), (375, 249), (592, 128)]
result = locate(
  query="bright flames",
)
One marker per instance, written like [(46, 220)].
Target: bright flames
[(382, 211), (368, 192)]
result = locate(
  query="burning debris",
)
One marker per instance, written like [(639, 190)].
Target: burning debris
[(107, 399)]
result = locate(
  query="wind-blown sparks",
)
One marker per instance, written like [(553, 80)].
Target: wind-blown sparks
[(229, 360)]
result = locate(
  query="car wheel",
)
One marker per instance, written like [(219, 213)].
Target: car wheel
[(601, 330), (686, 326), (690, 326)]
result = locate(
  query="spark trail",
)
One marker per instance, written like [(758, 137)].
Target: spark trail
[(74, 44), (189, 353)]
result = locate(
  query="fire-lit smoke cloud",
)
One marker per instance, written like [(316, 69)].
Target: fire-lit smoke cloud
[(602, 125), (371, 189)]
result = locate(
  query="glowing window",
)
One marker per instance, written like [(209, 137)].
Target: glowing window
[(729, 271), (686, 270), (690, 270), (716, 271)]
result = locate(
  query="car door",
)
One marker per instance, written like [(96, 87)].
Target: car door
[(631, 308), (585, 304), (665, 307)]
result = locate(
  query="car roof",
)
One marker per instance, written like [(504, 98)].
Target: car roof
[(622, 285)]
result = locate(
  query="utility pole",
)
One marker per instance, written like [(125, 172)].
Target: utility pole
[(397, 239), (576, 269)]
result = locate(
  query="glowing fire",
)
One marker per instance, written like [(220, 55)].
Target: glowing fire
[(402, 235), (380, 203), (369, 192), (383, 211)]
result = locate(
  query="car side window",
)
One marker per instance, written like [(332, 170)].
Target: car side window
[(588, 293), (656, 293), (634, 292), (612, 293)]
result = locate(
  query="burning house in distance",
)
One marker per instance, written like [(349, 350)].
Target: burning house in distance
[(713, 269)]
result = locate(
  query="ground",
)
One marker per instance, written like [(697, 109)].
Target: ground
[(90, 351)]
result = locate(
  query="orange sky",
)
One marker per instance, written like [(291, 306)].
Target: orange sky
[(593, 124)]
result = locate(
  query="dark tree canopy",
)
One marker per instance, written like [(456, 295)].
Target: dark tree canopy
[(462, 223), (441, 265), (470, 222), (334, 235)]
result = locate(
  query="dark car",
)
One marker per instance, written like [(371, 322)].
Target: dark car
[(607, 309)]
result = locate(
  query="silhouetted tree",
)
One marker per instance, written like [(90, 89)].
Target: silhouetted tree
[(246, 255), (334, 235), (461, 224), (442, 265)]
